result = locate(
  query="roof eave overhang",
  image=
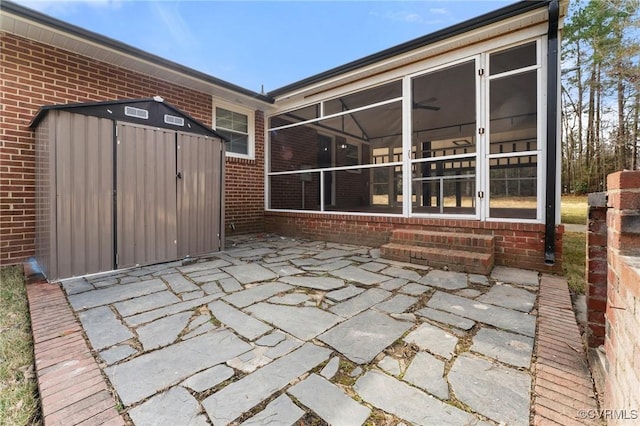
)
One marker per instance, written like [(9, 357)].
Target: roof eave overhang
[(27, 23), (493, 24)]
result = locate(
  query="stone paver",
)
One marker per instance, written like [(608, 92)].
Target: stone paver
[(303, 322), (500, 393), (427, 372), (255, 294), (209, 378), (364, 336), (175, 407), (447, 280), (497, 316), (234, 339), (105, 296), (103, 328), (509, 348), (229, 403), (446, 318), (319, 283), (329, 402), (280, 411), (434, 339), (240, 322), (409, 403), (143, 376), (509, 297), (360, 302), (515, 276), (250, 273), (163, 331)]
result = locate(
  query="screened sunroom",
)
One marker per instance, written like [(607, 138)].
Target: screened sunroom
[(457, 139)]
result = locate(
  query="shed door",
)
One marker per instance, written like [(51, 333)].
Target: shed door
[(199, 194), (146, 195)]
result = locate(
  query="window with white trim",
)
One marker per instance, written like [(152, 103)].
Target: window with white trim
[(237, 126)]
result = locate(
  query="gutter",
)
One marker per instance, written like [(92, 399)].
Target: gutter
[(552, 134)]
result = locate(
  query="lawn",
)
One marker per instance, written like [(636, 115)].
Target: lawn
[(19, 403), (574, 210)]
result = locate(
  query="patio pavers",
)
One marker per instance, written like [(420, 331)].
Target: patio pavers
[(278, 335)]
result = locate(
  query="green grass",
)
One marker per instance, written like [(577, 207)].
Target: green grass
[(573, 209), (18, 389)]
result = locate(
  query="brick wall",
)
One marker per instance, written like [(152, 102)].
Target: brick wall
[(596, 268), (33, 74), (622, 341), (519, 245)]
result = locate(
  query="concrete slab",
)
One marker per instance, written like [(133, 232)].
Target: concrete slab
[(330, 370), (179, 284), (117, 353), (397, 272), (397, 304), (364, 336), (359, 275), (138, 319), (344, 294)]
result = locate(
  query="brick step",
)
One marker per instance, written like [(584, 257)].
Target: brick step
[(445, 240), (438, 257)]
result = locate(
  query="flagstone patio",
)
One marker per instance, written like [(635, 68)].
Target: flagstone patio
[(276, 330)]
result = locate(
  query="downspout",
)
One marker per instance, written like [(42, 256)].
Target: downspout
[(552, 129)]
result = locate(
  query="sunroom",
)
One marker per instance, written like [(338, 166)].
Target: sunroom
[(459, 125)]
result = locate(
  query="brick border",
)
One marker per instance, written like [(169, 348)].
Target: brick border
[(563, 389), (71, 386)]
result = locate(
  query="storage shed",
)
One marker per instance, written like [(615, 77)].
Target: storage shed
[(124, 183)]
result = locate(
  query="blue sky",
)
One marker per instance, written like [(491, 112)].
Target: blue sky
[(256, 43)]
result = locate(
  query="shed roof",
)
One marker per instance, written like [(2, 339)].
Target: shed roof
[(149, 111)]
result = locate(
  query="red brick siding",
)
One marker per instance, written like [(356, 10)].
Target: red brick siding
[(596, 271), (33, 74), (622, 345), (516, 244)]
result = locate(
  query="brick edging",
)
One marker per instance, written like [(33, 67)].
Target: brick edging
[(71, 386), (563, 389)]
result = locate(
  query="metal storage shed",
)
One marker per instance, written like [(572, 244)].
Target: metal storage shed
[(125, 183)]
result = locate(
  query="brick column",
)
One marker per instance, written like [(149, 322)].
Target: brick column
[(622, 341), (596, 268)]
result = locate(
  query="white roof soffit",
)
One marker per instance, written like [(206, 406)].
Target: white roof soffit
[(535, 18), (30, 29)]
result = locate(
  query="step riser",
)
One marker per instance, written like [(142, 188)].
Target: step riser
[(467, 242), (455, 260)]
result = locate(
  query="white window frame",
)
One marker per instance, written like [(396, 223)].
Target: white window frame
[(251, 119)]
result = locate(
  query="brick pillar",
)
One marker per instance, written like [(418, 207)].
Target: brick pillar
[(596, 268), (622, 341)]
